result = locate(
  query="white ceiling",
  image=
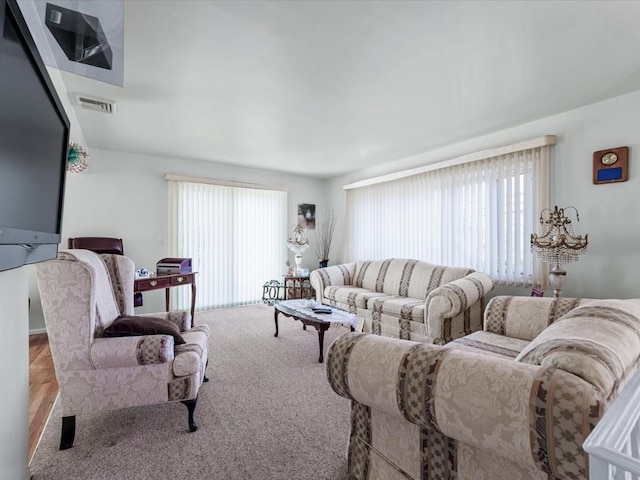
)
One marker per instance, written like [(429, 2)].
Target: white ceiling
[(323, 88)]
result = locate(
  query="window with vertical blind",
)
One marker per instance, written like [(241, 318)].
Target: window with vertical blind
[(235, 234), (477, 211)]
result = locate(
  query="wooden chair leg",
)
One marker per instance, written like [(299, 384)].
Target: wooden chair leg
[(205, 378), (191, 406), (68, 432)]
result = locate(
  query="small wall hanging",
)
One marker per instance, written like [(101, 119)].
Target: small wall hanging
[(307, 216), (611, 165), (77, 158)]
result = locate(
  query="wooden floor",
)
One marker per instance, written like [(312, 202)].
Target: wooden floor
[(43, 387)]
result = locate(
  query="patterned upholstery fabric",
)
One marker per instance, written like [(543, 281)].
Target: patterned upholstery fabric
[(486, 406), (82, 293), (524, 317), (598, 341), (116, 352), (120, 270), (404, 298), (489, 344)]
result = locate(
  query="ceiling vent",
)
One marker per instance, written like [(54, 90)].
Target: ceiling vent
[(95, 103)]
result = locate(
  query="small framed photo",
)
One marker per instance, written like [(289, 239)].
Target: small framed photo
[(307, 215), (537, 293)]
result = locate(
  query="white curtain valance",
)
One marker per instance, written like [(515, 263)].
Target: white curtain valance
[(227, 183), (544, 141)]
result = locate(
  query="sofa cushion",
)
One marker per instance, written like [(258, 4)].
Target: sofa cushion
[(131, 325), (598, 341), (352, 296), (404, 277), (406, 308)]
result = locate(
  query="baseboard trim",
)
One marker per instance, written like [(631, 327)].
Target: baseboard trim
[(36, 331)]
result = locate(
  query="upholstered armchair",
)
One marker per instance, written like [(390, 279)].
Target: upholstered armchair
[(515, 400), (106, 358)]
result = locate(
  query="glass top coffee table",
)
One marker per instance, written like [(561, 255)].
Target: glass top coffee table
[(301, 310)]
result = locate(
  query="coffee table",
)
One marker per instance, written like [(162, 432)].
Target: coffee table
[(300, 310)]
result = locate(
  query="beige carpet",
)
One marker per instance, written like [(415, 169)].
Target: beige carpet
[(267, 412)]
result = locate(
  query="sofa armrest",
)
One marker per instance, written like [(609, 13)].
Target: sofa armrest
[(450, 300), (335, 275), (525, 317), (535, 416), (119, 352)]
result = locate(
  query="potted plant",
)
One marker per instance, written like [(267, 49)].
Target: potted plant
[(324, 234)]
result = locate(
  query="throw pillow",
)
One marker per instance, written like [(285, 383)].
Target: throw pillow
[(126, 325)]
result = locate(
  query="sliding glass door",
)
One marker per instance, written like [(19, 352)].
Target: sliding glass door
[(235, 235)]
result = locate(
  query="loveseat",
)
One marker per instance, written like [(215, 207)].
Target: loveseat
[(404, 298), (513, 401)]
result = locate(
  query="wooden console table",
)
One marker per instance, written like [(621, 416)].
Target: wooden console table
[(168, 281)]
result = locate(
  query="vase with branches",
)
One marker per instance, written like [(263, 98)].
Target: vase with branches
[(324, 235)]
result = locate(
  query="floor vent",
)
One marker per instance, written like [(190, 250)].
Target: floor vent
[(96, 104)]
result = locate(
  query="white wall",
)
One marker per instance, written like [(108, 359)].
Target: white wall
[(14, 374), (608, 213), (125, 195)]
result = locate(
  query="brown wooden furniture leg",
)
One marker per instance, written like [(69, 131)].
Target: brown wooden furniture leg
[(321, 328), (167, 297), (321, 342), (193, 304), (319, 325)]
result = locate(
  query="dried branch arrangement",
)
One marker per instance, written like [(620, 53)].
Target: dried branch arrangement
[(324, 234)]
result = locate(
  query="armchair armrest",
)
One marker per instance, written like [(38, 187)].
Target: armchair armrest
[(335, 275), (452, 299), (535, 416), (119, 352), (525, 317)]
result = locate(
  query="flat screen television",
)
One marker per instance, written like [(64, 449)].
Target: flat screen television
[(34, 138)]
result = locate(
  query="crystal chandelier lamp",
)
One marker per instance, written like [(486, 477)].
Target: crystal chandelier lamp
[(559, 245), (297, 243)]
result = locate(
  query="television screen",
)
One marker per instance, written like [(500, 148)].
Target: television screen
[(34, 136)]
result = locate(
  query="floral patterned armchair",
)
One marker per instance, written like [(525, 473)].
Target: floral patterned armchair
[(514, 401), (85, 296)]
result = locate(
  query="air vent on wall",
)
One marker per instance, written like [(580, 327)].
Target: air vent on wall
[(95, 103)]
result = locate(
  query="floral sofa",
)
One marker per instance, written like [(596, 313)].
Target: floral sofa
[(405, 298), (514, 401)]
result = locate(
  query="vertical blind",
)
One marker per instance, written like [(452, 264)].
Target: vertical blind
[(477, 214), (236, 237)]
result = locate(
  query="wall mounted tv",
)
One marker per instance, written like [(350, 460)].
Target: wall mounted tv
[(34, 137)]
